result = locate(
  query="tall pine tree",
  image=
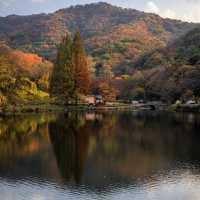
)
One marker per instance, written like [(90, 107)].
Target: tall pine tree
[(62, 85), (82, 73)]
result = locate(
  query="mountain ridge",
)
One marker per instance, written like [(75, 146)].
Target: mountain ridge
[(115, 37)]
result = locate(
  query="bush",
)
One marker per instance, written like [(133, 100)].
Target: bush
[(3, 100), (26, 84)]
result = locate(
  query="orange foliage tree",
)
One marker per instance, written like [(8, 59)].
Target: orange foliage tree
[(82, 72)]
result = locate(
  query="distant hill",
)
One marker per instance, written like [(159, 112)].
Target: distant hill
[(173, 72), (187, 48), (183, 51), (114, 36)]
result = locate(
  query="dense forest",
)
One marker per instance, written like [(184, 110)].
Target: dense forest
[(121, 54), (23, 77)]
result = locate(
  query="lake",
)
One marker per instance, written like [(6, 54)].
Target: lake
[(100, 155)]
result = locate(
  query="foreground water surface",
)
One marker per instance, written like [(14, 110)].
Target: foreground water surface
[(111, 155)]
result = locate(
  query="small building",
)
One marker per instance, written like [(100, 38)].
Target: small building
[(90, 100), (93, 100), (99, 99), (191, 102)]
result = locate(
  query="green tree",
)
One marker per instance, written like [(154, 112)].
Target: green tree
[(62, 81), (7, 74)]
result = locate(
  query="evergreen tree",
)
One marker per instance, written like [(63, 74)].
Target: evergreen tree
[(62, 81), (82, 74)]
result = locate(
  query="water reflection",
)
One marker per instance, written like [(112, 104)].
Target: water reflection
[(70, 140), (108, 155)]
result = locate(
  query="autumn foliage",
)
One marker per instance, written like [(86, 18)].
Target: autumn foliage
[(71, 75)]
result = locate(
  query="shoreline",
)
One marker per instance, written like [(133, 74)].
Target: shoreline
[(54, 108)]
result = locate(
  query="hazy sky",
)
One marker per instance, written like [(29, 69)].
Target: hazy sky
[(187, 10)]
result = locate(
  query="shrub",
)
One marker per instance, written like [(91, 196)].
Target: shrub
[(3, 100)]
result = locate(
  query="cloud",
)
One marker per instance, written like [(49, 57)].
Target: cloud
[(39, 1), (152, 7), (6, 4), (168, 13), (192, 1), (193, 15), (186, 10)]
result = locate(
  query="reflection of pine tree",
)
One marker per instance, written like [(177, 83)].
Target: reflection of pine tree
[(70, 143)]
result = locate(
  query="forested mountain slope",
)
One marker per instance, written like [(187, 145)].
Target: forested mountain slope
[(114, 37)]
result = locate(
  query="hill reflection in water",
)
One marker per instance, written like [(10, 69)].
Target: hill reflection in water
[(146, 155)]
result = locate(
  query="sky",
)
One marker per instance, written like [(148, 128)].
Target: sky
[(186, 10)]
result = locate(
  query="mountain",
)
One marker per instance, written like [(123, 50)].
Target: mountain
[(187, 48), (182, 51), (173, 72), (115, 37)]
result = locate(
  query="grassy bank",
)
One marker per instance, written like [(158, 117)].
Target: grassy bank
[(49, 107), (40, 108), (185, 108)]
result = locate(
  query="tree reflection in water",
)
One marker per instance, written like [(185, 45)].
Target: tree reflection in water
[(99, 149), (70, 140)]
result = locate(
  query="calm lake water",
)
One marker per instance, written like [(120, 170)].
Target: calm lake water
[(113, 155)]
